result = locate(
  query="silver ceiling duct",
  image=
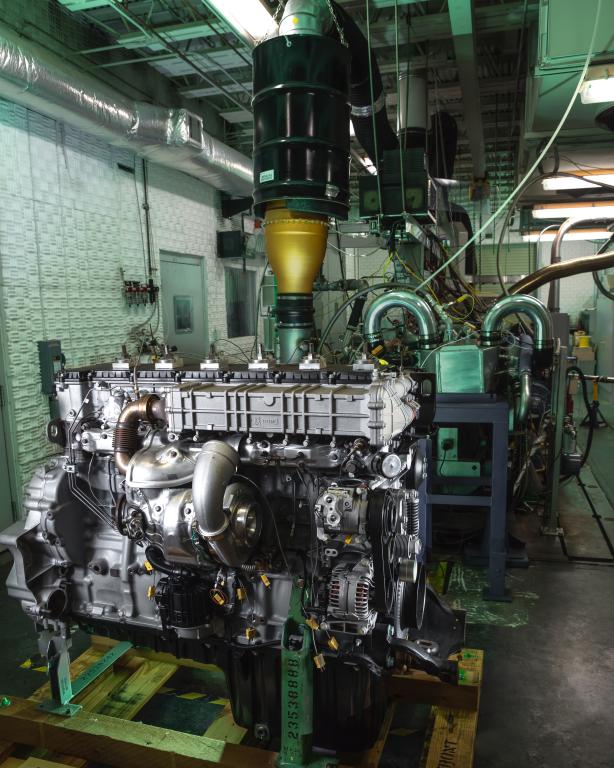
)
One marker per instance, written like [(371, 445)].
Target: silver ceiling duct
[(39, 80)]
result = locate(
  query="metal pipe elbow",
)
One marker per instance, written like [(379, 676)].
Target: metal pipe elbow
[(215, 467), (227, 516), (149, 408), (524, 400), (490, 335), (428, 333)]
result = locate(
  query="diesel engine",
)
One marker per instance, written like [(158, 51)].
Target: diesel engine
[(182, 512)]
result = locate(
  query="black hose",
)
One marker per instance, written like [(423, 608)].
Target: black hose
[(601, 287), (589, 413), (597, 279), (360, 93), (597, 516), (156, 559), (458, 213)]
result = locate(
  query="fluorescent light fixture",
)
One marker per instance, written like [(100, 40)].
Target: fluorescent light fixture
[(582, 180), (597, 210), (574, 234), (446, 182), (369, 166), (598, 86), (248, 18)]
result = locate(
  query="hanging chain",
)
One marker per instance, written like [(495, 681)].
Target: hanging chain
[(280, 7), (337, 25)]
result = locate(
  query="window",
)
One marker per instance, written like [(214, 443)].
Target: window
[(240, 301), (183, 314)]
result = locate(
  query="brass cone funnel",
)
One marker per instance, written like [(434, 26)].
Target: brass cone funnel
[(295, 245)]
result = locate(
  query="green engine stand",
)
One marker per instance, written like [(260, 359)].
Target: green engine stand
[(297, 667)]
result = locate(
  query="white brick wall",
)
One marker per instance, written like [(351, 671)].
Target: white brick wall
[(69, 223)]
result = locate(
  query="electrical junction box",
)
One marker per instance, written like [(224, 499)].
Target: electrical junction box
[(231, 245), (393, 204), (50, 361)]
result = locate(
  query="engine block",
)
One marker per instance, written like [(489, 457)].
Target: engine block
[(181, 507)]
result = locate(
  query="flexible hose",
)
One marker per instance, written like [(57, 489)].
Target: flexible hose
[(589, 413), (369, 118), (156, 559), (563, 269), (596, 277)]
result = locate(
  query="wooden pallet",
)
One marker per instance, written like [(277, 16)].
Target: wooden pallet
[(104, 732)]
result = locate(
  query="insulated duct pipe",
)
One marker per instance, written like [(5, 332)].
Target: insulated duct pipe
[(459, 214), (413, 111), (562, 269), (360, 95), (490, 334), (305, 17), (428, 334), (39, 80), (554, 294)]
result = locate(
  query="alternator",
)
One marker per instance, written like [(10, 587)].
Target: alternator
[(349, 598)]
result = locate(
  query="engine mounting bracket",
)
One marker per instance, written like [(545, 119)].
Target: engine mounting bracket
[(63, 689), (297, 666)]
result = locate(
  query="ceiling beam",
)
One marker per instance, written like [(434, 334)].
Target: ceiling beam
[(489, 19), (461, 20)]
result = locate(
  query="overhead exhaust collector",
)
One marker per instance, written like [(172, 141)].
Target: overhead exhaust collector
[(39, 80)]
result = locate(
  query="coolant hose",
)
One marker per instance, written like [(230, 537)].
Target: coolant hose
[(156, 559)]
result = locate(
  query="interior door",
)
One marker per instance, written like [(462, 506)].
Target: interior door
[(184, 306)]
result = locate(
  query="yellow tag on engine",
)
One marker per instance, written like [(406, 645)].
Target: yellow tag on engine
[(265, 580), (241, 594), (312, 623), (319, 661), (250, 633), (148, 566), (333, 644), (377, 350), (151, 592), (348, 539)]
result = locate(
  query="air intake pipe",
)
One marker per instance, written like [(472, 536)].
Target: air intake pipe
[(301, 157), (226, 518), (39, 80), (490, 334), (428, 333)]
